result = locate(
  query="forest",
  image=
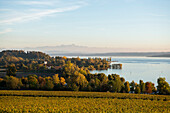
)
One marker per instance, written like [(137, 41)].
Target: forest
[(34, 61), (73, 75)]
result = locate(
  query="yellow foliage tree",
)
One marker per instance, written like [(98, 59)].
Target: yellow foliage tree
[(62, 81), (56, 79)]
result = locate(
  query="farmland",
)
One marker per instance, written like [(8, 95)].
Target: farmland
[(67, 101)]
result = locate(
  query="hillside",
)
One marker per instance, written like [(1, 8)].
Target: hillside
[(23, 54), (35, 61)]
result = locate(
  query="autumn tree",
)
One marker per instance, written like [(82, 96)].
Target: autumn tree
[(24, 81), (154, 90), (127, 87), (62, 81), (56, 81), (11, 70), (103, 83), (42, 82), (95, 84), (148, 87), (2, 82), (64, 57), (13, 82), (24, 67), (122, 79), (49, 84), (80, 80)]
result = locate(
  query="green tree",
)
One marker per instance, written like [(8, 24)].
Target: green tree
[(132, 86), (163, 86), (142, 86), (104, 84), (33, 82), (115, 85), (137, 90)]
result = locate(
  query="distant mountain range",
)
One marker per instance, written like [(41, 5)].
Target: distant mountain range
[(75, 50), (137, 54)]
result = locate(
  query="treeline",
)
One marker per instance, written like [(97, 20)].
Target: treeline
[(56, 83), (74, 78), (34, 61), (24, 55)]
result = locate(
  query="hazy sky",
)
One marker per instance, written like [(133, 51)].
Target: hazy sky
[(142, 25)]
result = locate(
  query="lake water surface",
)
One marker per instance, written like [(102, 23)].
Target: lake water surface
[(141, 68)]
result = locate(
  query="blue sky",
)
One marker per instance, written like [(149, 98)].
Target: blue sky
[(138, 25)]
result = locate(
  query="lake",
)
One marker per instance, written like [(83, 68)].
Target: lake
[(141, 68)]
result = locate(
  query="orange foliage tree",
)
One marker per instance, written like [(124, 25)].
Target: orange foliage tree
[(148, 87)]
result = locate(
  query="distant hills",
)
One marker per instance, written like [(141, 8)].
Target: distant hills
[(22, 54), (76, 50), (137, 54)]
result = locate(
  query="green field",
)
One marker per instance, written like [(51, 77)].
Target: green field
[(67, 101)]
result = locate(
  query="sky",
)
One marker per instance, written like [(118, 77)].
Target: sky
[(139, 25)]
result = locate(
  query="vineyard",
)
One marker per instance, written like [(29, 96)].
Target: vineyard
[(67, 101)]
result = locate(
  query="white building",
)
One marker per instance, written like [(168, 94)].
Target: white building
[(45, 62)]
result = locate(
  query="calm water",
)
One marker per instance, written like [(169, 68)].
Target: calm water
[(141, 68)]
